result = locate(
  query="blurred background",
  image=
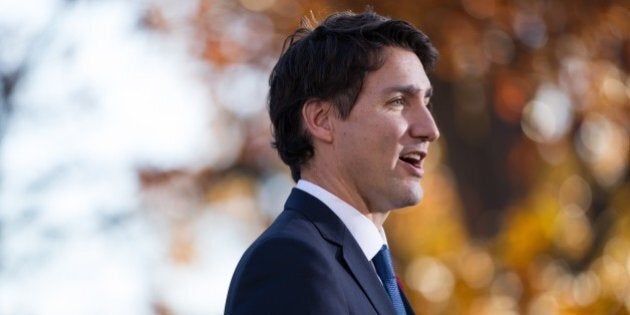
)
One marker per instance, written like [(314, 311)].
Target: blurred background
[(136, 167)]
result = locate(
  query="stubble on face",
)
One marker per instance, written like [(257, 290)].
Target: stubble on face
[(387, 120)]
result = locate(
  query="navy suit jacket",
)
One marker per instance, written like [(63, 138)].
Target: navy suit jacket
[(307, 262)]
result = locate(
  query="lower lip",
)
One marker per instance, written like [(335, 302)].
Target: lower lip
[(414, 170)]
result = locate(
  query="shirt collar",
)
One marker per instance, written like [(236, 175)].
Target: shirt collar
[(369, 237)]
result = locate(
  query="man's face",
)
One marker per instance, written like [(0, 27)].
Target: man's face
[(381, 145)]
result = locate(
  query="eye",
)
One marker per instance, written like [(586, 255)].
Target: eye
[(399, 101), (430, 106)]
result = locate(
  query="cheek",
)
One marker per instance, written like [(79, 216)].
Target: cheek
[(384, 144), (389, 134), (375, 138)]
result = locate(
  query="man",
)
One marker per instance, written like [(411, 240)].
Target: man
[(349, 106)]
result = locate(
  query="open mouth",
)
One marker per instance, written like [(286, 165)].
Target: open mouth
[(413, 158)]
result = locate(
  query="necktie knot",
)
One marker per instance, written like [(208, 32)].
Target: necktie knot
[(385, 270)]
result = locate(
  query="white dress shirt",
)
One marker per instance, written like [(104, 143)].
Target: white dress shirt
[(369, 237)]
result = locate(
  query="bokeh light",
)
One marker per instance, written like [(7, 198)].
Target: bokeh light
[(136, 166)]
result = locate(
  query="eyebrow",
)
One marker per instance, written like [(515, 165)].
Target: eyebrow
[(409, 90)]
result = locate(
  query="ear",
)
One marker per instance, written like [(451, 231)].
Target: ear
[(317, 116)]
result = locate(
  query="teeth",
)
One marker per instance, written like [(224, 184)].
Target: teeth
[(414, 156)]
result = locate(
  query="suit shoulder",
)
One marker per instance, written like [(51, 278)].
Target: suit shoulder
[(290, 261), (290, 224), (294, 248)]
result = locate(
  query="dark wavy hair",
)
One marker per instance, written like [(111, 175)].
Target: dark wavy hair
[(329, 62)]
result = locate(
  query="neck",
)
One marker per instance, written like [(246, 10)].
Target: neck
[(344, 191)]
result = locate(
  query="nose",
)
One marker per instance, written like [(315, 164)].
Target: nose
[(423, 126)]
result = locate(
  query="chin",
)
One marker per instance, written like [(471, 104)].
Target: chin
[(412, 197)]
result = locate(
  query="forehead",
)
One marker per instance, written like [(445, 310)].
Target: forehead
[(401, 67)]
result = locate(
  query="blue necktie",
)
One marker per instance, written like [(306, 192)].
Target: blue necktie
[(385, 270)]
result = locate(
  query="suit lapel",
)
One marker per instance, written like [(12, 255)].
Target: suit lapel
[(333, 230)]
